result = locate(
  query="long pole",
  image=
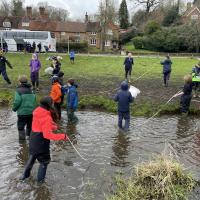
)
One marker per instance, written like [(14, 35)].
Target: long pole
[(68, 44), (1, 39)]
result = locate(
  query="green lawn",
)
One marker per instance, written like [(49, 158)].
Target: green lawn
[(99, 77)]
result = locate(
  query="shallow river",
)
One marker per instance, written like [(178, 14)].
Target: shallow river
[(107, 150)]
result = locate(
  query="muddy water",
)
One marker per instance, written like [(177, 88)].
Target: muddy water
[(108, 152)]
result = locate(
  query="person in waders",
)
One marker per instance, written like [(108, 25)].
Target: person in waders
[(128, 65), (43, 128), (167, 63), (196, 75), (124, 98), (3, 62), (186, 95), (24, 103)]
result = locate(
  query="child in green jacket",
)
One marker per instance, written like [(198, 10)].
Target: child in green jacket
[(24, 104)]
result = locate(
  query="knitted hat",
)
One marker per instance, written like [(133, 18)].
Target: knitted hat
[(23, 79)]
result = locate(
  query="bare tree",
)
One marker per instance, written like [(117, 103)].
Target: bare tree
[(5, 8), (148, 4), (107, 13)]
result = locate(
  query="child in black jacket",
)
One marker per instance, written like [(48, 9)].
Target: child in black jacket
[(3, 62)]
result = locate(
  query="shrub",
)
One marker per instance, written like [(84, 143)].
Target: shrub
[(137, 42), (78, 47), (152, 27)]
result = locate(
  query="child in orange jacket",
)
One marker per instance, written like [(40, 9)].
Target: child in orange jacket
[(56, 95)]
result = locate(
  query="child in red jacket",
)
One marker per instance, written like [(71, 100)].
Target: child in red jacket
[(42, 132)]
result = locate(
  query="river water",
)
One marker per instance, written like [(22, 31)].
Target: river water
[(108, 152)]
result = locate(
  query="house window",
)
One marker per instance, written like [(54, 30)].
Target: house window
[(194, 17), (6, 24), (93, 42), (93, 33), (77, 34), (62, 33), (107, 43), (109, 32), (26, 24)]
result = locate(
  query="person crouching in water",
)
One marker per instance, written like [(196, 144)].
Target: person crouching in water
[(35, 66), (3, 62), (56, 95), (124, 98), (186, 95), (42, 132), (166, 70), (24, 103), (72, 101)]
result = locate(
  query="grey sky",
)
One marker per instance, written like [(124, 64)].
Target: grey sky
[(77, 8)]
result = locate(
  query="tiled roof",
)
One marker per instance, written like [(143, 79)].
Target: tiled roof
[(57, 26), (93, 27)]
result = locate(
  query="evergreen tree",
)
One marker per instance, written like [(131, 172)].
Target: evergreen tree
[(17, 8), (123, 15)]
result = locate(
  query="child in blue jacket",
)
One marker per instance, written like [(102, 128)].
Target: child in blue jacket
[(124, 98), (72, 101)]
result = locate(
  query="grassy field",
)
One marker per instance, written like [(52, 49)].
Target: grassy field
[(99, 78)]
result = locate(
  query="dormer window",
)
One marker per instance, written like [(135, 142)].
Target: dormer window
[(7, 24), (194, 17)]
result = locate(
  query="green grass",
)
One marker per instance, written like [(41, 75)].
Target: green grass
[(99, 77)]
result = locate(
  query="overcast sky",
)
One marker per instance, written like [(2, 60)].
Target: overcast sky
[(77, 8)]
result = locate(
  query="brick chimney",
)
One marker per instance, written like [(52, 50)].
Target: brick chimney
[(189, 5), (42, 11), (86, 18), (43, 14), (29, 12)]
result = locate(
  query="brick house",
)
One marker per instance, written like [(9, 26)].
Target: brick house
[(86, 31), (9, 22), (191, 14)]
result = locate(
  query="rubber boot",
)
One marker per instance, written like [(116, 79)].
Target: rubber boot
[(28, 168), (22, 135), (41, 172)]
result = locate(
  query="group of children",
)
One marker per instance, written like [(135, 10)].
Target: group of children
[(38, 123)]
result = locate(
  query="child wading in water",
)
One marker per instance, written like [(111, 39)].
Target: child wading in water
[(35, 66), (42, 132), (24, 103), (124, 98), (56, 95), (186, 94), (166, 70), (72, 101)]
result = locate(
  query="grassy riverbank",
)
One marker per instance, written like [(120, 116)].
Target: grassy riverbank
[(99, 77), (160, 179)]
